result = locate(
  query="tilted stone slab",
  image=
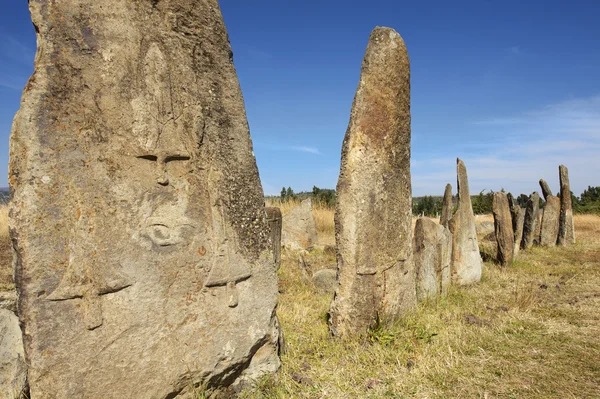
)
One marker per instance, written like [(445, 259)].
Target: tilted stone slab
[(566, 229), (143, 259), (518, 219), (550, 217), (373, 208), (275, 224), (13, 369), (530, 224), (466, 259), (299, 228), (432, 252), (505, 237)]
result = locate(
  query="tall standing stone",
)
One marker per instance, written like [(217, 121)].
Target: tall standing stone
[(503, 228), (466, 260), (432, 251), (373, 208), (275, 224), (550, 217), (566, 229), (518, 219), (531, 221), (447, 206), (142, 248)]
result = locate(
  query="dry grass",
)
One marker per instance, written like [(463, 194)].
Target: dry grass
[(528, 331), (6, 279)]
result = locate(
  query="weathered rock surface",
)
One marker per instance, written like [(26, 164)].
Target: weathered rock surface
[(484, 228), (503, 228), (566, 229), (143, 259), (13, 370), (325, 280), (530, 224), (550, 217), (275, 224), (546, 192), (432, 252), (518, 219), (299, 228), (373, 208), (447, 206), (466, 260)]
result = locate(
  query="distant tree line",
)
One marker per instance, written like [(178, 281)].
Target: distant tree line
[(588, 202), (321, 196)]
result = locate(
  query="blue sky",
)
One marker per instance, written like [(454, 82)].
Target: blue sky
[(511, 87)]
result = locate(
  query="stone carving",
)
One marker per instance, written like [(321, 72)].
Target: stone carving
[(432, 248), (13, 370), (373, 208), (503, 228), (447, 206), (275, 224), (566, 229), (144, 264), (299, 230), (550, 217), (466, 260), (518, 219), (531, 221)]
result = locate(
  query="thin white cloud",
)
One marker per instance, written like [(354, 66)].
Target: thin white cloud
[(518, 150), (310, 150), (13, 49)]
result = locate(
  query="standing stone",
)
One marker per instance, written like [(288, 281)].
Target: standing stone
[(550, 217), (518, 218), (299, 228), (531, 221), (466, 260), (142, 248), (373, 218), (566, 229), (503, 228), (546, 192), (432, 247), (275, 224), (447, 206)]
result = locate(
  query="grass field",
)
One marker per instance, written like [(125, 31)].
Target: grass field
[(528, 331)]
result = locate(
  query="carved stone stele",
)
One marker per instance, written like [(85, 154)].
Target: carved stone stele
[(373, 208), (143, 262), (432, 252)]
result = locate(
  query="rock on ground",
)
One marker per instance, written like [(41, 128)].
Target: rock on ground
[(374, 200), (432, 252), (566, 229), (466, 260), (503, 228), (299, 228), (325, 280), (144, 266)]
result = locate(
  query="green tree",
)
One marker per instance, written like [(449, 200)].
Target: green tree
[(283, 194)]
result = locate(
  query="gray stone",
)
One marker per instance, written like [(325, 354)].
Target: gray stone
[(503, 228), (275, 224), (432, 251), (466, 260), (518, 218), (546, 192), (144, 266), (13, 370), (550, 217), (484, 228), (299, 228), (325, 280), (447, 206), (530, 225), (566, 229), (373, 209)]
